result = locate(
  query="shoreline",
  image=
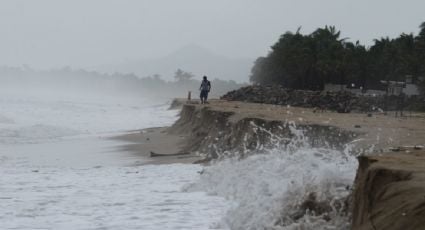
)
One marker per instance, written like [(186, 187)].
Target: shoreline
[(388, 149), (158, 141), (182, 141)]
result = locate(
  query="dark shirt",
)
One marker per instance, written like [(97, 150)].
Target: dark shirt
[(205, 85)]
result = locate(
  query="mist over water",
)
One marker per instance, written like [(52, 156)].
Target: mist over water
[(30, 117), (60, 170), (91, 70), (57, 164)]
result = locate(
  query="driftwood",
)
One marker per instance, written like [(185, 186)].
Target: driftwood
[(153, 154)]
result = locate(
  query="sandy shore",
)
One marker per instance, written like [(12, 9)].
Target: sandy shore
[(376, 131), (154, 141), (392, 181)]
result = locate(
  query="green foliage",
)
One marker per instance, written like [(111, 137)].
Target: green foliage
[(309, 61)]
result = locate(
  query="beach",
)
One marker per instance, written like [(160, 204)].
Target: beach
[(287, 180), (374, 132), (223, 165), (151, 141)]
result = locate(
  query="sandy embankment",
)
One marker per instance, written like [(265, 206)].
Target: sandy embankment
[(202, 126), (390, 192), (389, 187)]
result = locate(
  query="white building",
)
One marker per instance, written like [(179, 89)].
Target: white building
[(397, 87), (358, 91), (407, 87)]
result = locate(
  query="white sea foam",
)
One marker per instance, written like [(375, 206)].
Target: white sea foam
[(147, 197), (58, 171), (34, 133), (55, 183), (268, 189), (26, 119)]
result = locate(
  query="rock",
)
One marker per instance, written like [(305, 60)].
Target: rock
[(343, 102)]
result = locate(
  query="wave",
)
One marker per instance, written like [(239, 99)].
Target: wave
[(287, 187), (39, 118), (34, 134)]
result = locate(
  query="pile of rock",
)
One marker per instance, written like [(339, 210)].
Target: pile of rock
[(342, 101)]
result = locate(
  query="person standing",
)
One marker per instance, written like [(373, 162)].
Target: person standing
[(205, 89), (400, 104)]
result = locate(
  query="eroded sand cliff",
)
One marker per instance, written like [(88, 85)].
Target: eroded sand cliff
[(390, 192), (389, 187)]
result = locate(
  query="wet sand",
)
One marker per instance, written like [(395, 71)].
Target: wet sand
[(158, 141)]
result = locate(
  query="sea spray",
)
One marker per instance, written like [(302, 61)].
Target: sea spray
[(288, 186)]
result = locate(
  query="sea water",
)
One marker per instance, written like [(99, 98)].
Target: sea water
[(60, 170), (270, 187)]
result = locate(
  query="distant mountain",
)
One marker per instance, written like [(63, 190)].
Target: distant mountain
[(191, 58)]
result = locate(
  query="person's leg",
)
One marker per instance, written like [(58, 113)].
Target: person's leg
[(202, 97), (206, 97)]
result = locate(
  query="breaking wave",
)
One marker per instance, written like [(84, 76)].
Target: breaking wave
[(38, 119), (34, 134), (287, 187)]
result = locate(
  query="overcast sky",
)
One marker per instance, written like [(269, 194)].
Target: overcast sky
[(79, 33)]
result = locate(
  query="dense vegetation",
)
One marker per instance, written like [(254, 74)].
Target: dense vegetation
[(309, 61)]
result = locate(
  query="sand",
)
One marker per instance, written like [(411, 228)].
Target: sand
[(389, 191), (377, 132), (159, 141)]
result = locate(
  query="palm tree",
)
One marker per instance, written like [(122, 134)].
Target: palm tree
[(420, 52), (422, 27)]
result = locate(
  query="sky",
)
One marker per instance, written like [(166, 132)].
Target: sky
[(82, 33)]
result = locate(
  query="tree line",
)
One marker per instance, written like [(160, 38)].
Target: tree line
[(79, 80), (310, 61)]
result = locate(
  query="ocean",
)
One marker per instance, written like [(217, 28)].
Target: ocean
[(61, 170)]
